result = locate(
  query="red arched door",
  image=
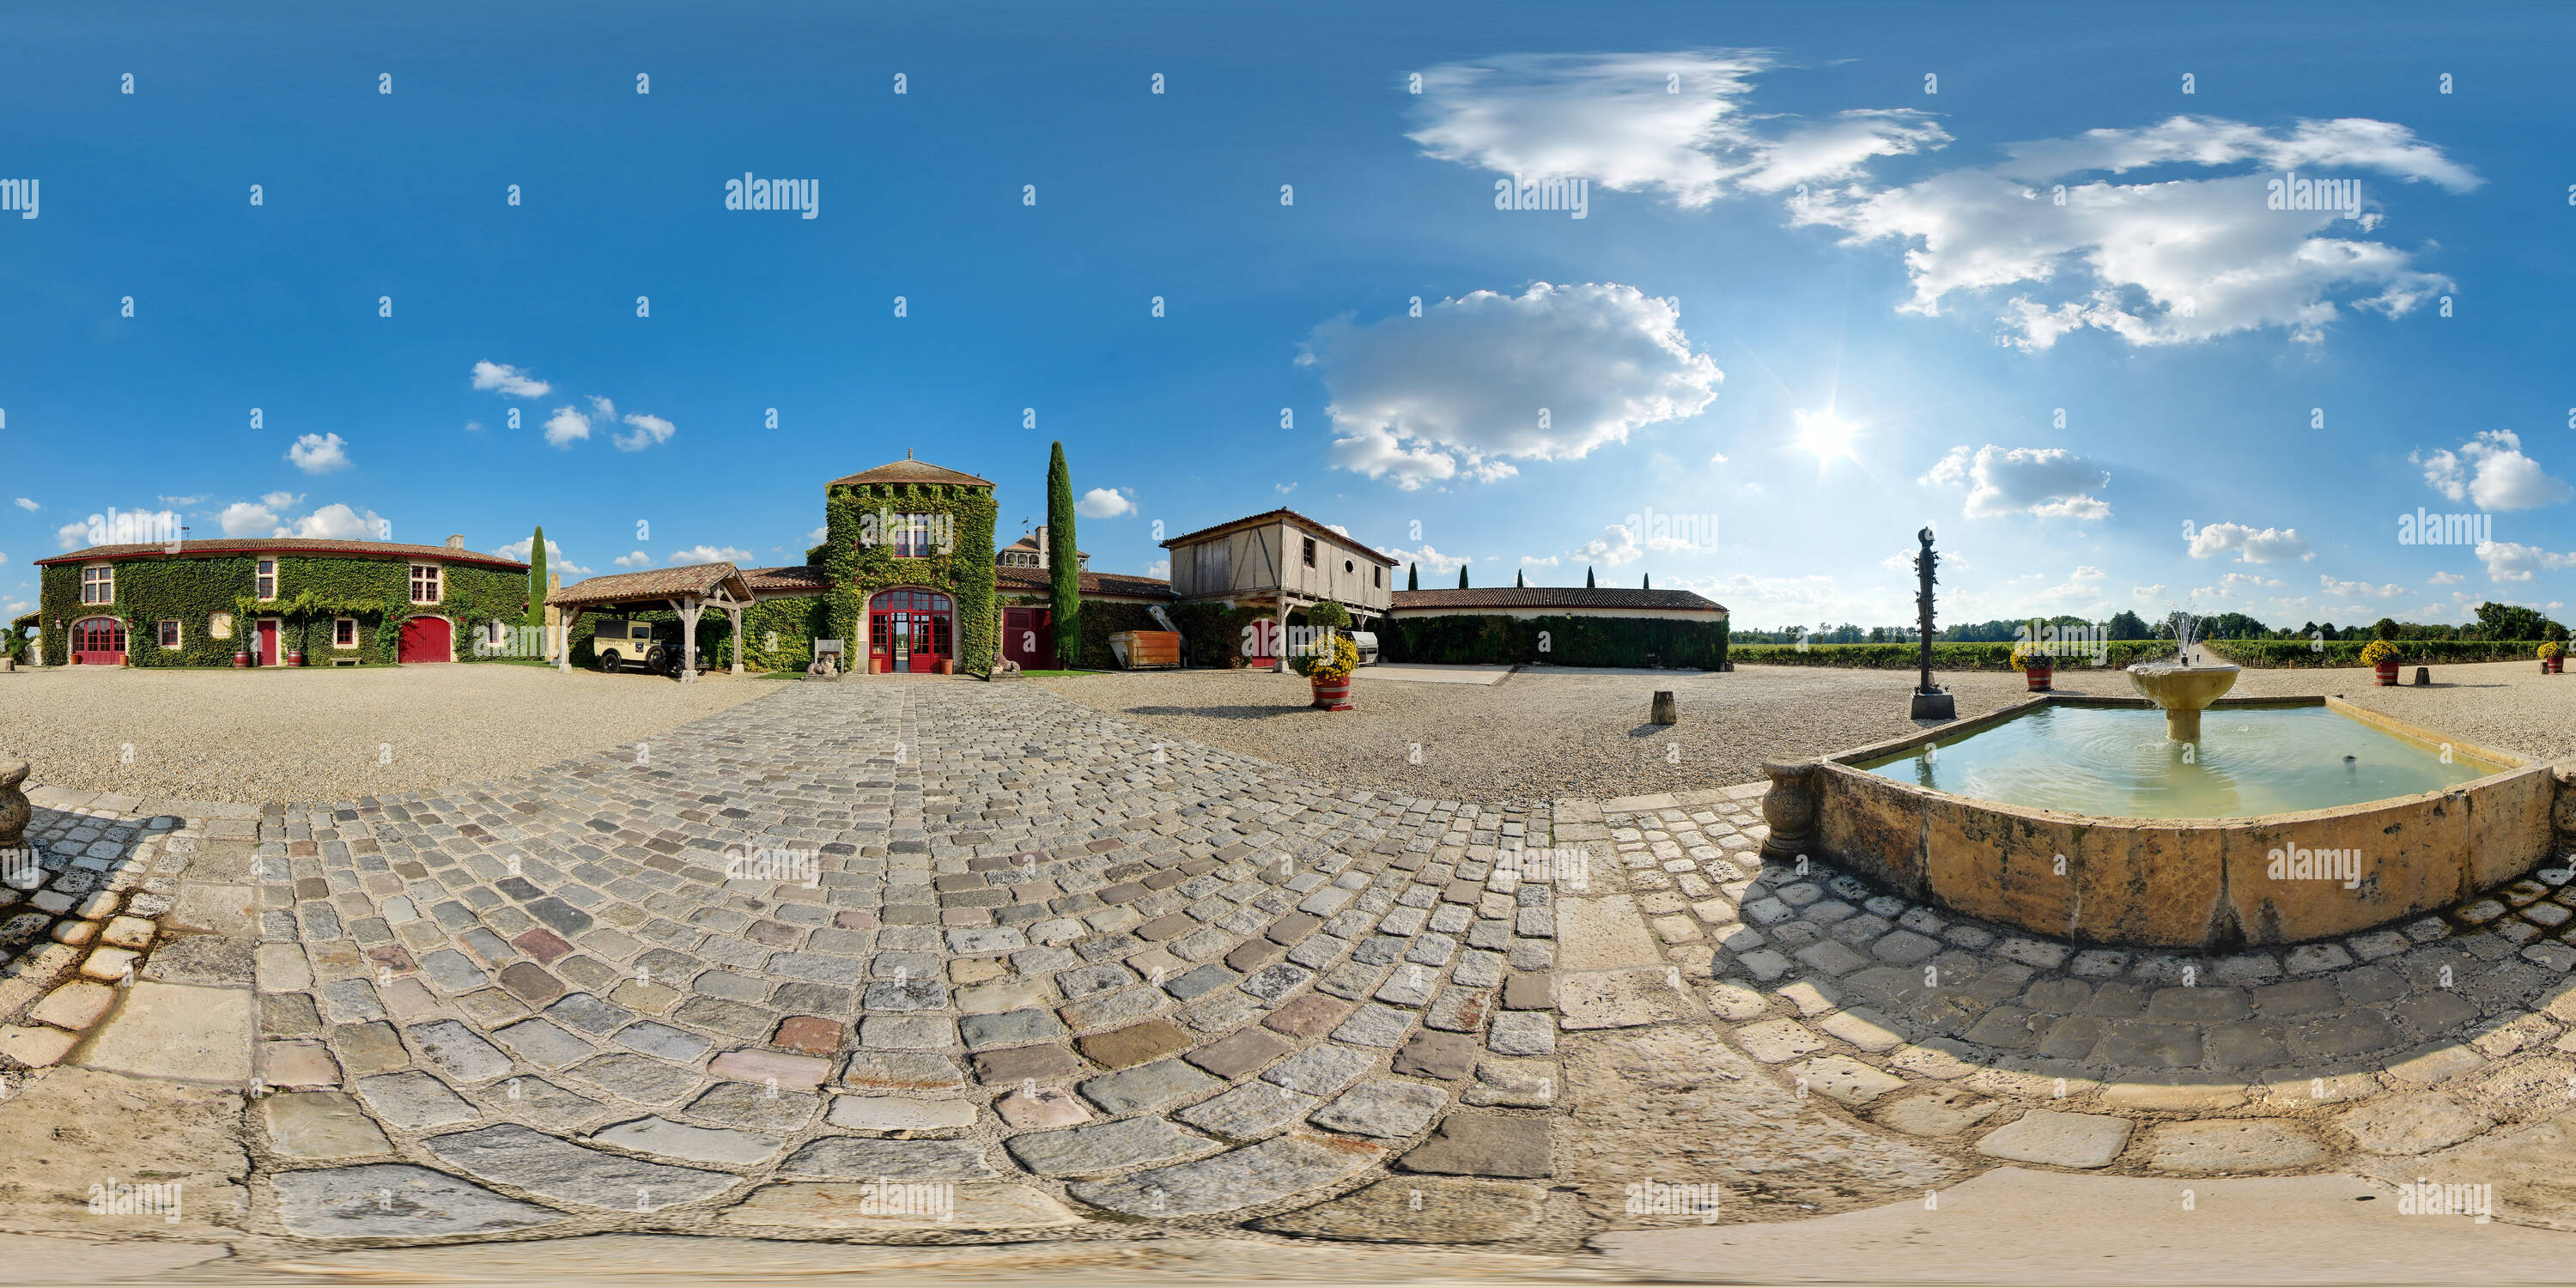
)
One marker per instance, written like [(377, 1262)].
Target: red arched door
[(98, 641), (427, 639), (911, 630)]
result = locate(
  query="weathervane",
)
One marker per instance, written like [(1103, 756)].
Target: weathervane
[(1930, 703)]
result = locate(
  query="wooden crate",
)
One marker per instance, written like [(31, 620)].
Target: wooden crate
[(1146, 650)]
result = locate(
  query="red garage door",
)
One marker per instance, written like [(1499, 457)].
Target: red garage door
[(98, 641), (426, 639), (1028, 637)]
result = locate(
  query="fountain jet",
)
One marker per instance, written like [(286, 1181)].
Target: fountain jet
[(2184, 689)]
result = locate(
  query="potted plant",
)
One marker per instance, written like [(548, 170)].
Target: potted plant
[(2034, 664), (2382, 656), (947, 666), (1328, 666), (2553, 657)]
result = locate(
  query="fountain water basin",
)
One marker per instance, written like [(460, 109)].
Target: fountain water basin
[(2184, 691)]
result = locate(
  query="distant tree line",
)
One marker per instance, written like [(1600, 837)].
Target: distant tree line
[(2494, 622)]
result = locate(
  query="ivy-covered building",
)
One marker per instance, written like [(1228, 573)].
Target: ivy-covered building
[(908, 553), (275, 601)]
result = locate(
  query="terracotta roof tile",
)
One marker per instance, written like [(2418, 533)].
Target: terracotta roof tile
[(1292, 516), (1093, 583), (284, 545), (909, 470), (652, 583), (1556, 597)]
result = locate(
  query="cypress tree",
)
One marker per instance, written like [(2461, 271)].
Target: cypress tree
[(1413, 577), (536, 615), (1064, 562), (1519, 580), (1462, 576), (1587, 577), (1650, 581)]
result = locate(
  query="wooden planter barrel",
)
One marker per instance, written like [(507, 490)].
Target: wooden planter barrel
[(2038, 676), (1333, 695), (2387, 674)]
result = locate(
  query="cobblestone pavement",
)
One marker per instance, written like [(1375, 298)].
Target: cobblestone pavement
[(2391, 1044), (1041, 957), (1054, 978)]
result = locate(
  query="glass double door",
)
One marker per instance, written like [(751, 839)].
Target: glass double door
[(910, 630)]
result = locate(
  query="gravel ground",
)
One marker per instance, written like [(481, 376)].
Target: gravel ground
[(1540, 736), (320, 734)]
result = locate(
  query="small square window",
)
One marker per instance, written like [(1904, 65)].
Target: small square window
[(1310, 552), (170, 632), (344, 633)]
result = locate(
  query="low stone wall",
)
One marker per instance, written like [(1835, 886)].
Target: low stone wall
[(2166, 883)]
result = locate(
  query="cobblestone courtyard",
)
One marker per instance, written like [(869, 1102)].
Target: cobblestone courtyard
[(1103, 985)]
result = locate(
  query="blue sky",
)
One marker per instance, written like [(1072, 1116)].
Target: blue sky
[(1810, 307)]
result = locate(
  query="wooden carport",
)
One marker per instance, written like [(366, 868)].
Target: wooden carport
[(687, 591)]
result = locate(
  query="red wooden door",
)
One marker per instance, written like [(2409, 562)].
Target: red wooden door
[(1028, 637), (267, 645), (425, 639), (909, 630), (98, 641)]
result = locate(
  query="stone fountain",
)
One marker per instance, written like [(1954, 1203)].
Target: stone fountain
[(2183, 687)]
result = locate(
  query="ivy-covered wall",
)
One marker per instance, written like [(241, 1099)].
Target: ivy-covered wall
[(313, 592), (1571, 641), (860, 569), (1212, 632), (796, 624)]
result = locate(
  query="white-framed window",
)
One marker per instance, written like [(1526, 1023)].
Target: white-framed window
[(98, 584), (344, 632), (266, 580), (424, 583), (169, 632), (219, 626)]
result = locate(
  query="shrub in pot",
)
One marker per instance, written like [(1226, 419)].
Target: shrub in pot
[(2553, 656), (2382, 656), (2034, 664), (1328, 668)]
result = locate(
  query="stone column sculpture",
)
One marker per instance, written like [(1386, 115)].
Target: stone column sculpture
[(1930, 703), (1790, 809), (14, 809)]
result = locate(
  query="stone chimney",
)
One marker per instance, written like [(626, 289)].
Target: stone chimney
[(456, 542), (1042, 546)]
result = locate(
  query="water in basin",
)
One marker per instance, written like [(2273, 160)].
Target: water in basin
[(2117, 762)]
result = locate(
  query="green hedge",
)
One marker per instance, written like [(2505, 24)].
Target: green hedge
[(1555, 640), (1979, 656), (796, 621), (375, 591), (2304, 653)]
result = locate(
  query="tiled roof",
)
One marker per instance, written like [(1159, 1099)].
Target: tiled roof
[(1556, 597), (653, 583), (1093, 583), (792, 577), (909, 470), (1292, 516), (284, 545), (1029, 544)]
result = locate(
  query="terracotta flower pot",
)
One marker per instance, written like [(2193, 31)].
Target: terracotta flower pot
[(2038, 676), (2387, 674), (1333, 695), (947, 666), (878, 666)]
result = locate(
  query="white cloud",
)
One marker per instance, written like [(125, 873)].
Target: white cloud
[(282, 500), (1549, 374), (2268, 545), (337, 522), (1717, 458), (16, 608), (25, 504), (2509, 561), (248, 519), (1285, 488), (319, 453), (2160, 262), (555, 561), (1671, 122), (638, 559), (2148, 594), (2235, 585), (2491, 471), (510, 381), (648, 431), (2050, 482), (474, 424), (566, 427), (1160, 569), (816, 536), (73, 535), (1427, 557), (119, 528), (1616, 545), (1535, 561), (2444, 579), (709, 554), (2358, 589), (177, 501), (1105, 503)]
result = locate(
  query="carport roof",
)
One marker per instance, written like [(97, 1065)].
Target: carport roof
[(699, 580)]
